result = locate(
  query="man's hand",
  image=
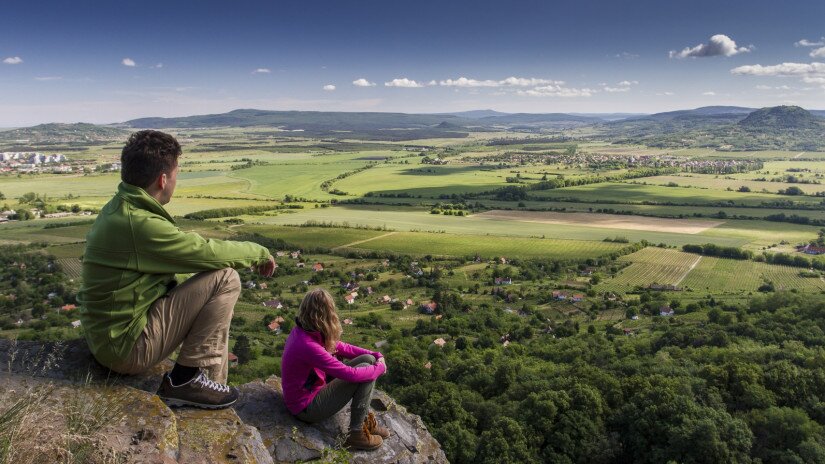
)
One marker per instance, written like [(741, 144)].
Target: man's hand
[(267, 268)]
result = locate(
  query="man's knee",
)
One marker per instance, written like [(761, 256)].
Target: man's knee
[(231, 279)]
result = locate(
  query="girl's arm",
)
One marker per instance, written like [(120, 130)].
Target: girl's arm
[(347, 351), (324, 361)]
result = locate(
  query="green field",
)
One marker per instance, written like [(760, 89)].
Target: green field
[(639, 193), (421, 243), (709, 181), (705, 274), (650, 265)]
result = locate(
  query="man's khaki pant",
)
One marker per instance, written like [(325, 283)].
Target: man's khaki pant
[(195, 315)]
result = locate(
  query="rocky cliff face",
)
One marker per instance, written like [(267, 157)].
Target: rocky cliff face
[(66, 407)]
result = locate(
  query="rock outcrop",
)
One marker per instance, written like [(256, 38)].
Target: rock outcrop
[(70, 400)]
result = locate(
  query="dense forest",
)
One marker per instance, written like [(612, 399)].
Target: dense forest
[(746, 386)]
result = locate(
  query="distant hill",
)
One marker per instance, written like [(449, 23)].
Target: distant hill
[(297, 120), (475, 114), (57, 133), (725, 128), (781, 117), (701, 112), (368, 126)]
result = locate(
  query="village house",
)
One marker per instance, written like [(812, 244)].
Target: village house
[(263, 286), (233, 360), (276, 304), (428, 365), (504, 281), (68, 307), (386, 299), (559, 295), (300, 264), (349, 298), (317, 267), (274, 327), (577, 297), (666, 310), (347, 321), (250, 285), (280, 254), (428, 308), (811, 249), (440, 342), (75, 324), (294, 254)]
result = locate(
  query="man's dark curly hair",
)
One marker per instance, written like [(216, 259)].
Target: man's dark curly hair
[(148, 154)]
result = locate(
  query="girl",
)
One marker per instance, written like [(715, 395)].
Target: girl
[(310, 358)]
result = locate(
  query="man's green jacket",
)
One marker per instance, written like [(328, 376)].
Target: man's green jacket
[(133, 252)]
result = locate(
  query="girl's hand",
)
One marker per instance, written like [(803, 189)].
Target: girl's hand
[(381, 360)]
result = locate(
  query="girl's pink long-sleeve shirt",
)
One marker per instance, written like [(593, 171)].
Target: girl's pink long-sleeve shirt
[(304, 354)]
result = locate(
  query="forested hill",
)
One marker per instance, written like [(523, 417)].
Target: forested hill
[(62, 133), (782, 117)]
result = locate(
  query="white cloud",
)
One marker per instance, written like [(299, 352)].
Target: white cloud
[(48, 78), (464, 82), (709, 94), (665, 94), (768, 87), (329, 87), (403, 82), (363, 83), (818, 53), (261, 71), (157, 66), (511, 81), (628, 83), (810, 43), (432, 82), (556, 91), (13, 60), (814, 69), (718, 45), (616, 89), (626, 56), (128, 62)]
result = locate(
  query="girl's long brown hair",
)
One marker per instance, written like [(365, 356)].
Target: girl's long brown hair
[(317, 313)]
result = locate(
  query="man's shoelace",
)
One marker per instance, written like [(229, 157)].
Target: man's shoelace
[(211, 384)]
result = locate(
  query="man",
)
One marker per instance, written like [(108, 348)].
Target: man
[(134, 313)]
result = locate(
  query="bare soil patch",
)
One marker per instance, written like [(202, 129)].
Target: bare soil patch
[(607, 221)]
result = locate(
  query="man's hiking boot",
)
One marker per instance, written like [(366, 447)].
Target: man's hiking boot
[(199, 392), (363, 439), (374, 428)]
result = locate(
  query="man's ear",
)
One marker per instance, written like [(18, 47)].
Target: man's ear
[(162, 181)]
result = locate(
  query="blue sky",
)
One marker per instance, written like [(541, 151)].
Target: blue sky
[(103, 62)]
